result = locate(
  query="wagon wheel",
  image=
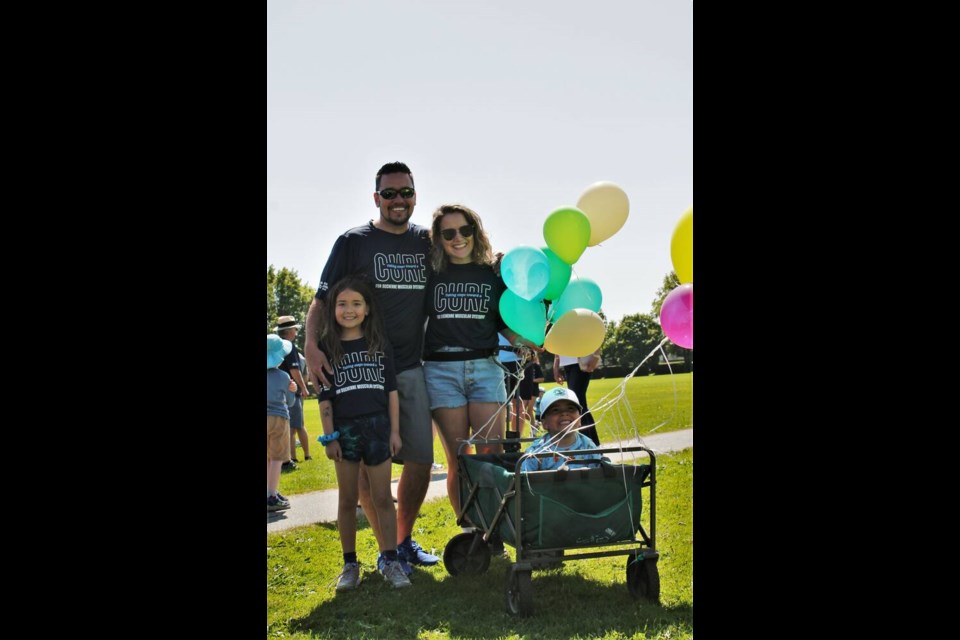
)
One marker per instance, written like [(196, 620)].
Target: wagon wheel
[(458, 559), (643, 579), (519, 592)]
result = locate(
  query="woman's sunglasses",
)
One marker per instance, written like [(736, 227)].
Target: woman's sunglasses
[(466, 231), (390, 194)]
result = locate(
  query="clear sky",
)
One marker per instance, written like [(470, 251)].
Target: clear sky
[(511, 107)]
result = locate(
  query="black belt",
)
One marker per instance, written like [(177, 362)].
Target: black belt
[(456, 356)]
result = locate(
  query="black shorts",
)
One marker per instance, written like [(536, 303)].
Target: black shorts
[(366, 437), (529, 388)]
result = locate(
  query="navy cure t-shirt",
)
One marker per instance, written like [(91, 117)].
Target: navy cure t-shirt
[(463, 307), (361, 381), (397, 267)]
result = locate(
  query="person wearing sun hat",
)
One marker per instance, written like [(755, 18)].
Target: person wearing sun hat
[(280, 396), (287, 328), (560, 414)]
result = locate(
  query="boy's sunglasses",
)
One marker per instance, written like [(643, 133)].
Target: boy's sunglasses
[(390, 194), (449, 234)]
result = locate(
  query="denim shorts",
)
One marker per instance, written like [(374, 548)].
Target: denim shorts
[(366, 437), (296, 413), (455, 384)]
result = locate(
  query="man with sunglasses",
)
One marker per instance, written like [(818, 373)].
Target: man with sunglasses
[(392, 253)]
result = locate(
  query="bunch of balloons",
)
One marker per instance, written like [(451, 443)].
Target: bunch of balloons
[(534, 275), (676, 314)]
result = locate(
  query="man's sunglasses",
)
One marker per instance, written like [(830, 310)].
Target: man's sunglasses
[(466, 231), (390, 194)]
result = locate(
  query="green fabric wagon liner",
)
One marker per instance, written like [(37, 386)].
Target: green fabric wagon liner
[(560, 508)]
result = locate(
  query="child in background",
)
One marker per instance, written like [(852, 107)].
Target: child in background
[(530, 390), (280, 397), (537, 413), (561, 409), (360, 414)]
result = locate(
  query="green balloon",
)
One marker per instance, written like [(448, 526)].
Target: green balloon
[(526, 317), (582, 293), (567, 232), (559, 275)]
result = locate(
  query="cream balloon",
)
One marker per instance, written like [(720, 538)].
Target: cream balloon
[(578, 332), (606, 207)]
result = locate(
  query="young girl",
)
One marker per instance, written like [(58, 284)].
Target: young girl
[(360, 414)]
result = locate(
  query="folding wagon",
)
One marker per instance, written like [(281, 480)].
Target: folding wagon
[(545, 514)]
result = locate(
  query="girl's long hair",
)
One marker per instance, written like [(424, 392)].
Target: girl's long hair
[(372, 325), (481, 254)]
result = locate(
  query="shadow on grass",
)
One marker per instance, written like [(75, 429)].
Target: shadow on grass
[(565, 605), (274, 516), (362, 524)]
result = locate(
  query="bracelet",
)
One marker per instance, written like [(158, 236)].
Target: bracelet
[(327, 439)]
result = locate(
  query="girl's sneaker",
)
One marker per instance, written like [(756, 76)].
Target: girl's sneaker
[(393, 574), (350, 577), (382, 562)]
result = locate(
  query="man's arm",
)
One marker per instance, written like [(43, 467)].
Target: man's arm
[(591, 362), (317, 363), (301, 385)]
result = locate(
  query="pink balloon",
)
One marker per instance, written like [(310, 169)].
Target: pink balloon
[(676, 316)]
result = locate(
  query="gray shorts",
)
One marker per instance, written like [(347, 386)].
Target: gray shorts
[(296, 413), (416, 428)]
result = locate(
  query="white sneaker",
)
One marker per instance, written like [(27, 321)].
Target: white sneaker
[(393, 573), (350, 577)]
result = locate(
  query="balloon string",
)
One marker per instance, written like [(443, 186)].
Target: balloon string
[(488, 426)]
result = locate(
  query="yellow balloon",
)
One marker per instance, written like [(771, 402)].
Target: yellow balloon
[(606, 207), (681, 247), (578, 332)]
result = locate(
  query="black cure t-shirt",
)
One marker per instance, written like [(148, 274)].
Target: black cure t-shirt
[(397, 266), (463, 307), (291, 361), (361, 381)]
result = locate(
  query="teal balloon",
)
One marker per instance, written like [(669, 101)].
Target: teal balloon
[(526, 317), (579, 294), (567, 232), (526, 271), (559, 275)]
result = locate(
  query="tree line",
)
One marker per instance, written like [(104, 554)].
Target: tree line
[(625, 344)]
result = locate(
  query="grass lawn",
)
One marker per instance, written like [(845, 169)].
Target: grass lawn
[(651, 401), (584, 599)]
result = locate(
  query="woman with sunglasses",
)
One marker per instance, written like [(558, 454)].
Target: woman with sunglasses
[(464, 380)]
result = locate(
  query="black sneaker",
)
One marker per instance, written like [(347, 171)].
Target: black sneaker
[(275, 504), (289, 465)]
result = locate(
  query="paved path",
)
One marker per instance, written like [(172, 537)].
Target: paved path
[(321, 506)]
